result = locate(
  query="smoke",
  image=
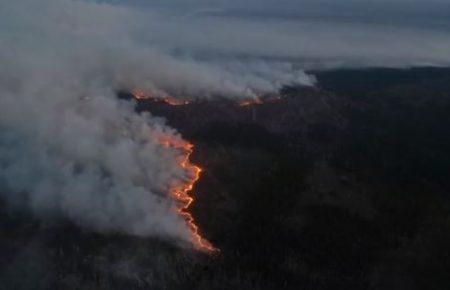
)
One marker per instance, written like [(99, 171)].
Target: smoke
[(69, 148), (91, 160), (311, 34)]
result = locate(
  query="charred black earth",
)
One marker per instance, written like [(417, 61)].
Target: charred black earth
[(341, 186)]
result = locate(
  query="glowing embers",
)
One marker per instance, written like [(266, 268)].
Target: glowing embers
[(181, 189), (250, 102), (259, 100), (172, 101), (141, 95)]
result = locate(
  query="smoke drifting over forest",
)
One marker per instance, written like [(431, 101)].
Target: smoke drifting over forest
[(69, 148)]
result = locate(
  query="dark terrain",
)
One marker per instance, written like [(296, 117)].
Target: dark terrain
[(343, 186)]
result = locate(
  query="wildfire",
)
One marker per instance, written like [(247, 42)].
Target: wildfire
[(180, 191), (169, 100), (259, 100), (250, 102), (141, 95)]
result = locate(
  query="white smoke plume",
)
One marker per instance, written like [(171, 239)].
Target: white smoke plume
[(312, 34), (68, 147)]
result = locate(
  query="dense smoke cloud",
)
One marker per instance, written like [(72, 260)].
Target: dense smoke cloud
[(69, 148), (125, 47)]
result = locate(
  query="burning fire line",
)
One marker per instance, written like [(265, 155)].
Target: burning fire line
[(250, 102), (259, 101), (180, 192), (140, 95), (169, 100)]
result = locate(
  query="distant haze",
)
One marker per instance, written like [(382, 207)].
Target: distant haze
[(320, 33)]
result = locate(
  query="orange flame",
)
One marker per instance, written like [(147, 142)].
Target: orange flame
[(250, 102), (259, 100), (141, 95), (181, 189), (181, 193), (169, 100)]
